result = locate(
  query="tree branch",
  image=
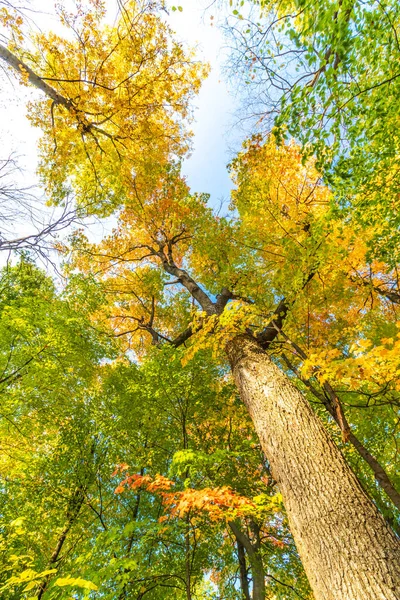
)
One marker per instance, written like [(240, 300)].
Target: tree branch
[(20, 66), (188, 282)]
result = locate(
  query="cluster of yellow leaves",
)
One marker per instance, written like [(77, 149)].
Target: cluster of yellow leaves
[(369, 364), (282, 206), (150, 221), (285, 219), (12, 21), (75, 582), (130, 268), (277, 196), (215, 331), (128, 89), (29, 577)]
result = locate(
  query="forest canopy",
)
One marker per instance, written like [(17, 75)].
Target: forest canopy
[(205, 404)]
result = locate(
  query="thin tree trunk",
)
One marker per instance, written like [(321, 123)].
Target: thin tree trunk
[(255, 558), (379, 472), (73, 510), (188, 562), (347, 549), (244, 583)]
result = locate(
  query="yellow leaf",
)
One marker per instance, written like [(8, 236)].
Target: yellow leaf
[(30, 585), (76, 582)]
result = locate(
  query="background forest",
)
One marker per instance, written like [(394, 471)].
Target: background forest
[(203, 403)]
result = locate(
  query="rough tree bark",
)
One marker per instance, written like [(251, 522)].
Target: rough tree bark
[(329, 398), (332, 403), (347, 549)]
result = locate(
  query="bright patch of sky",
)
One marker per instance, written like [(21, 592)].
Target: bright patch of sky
[(213, 127)]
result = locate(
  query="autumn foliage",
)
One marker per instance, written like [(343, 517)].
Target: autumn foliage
[(131, 363)]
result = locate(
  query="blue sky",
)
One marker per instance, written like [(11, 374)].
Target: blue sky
[(214, 120)]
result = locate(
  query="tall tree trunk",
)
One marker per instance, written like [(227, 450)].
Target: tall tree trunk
[(347, 549)]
